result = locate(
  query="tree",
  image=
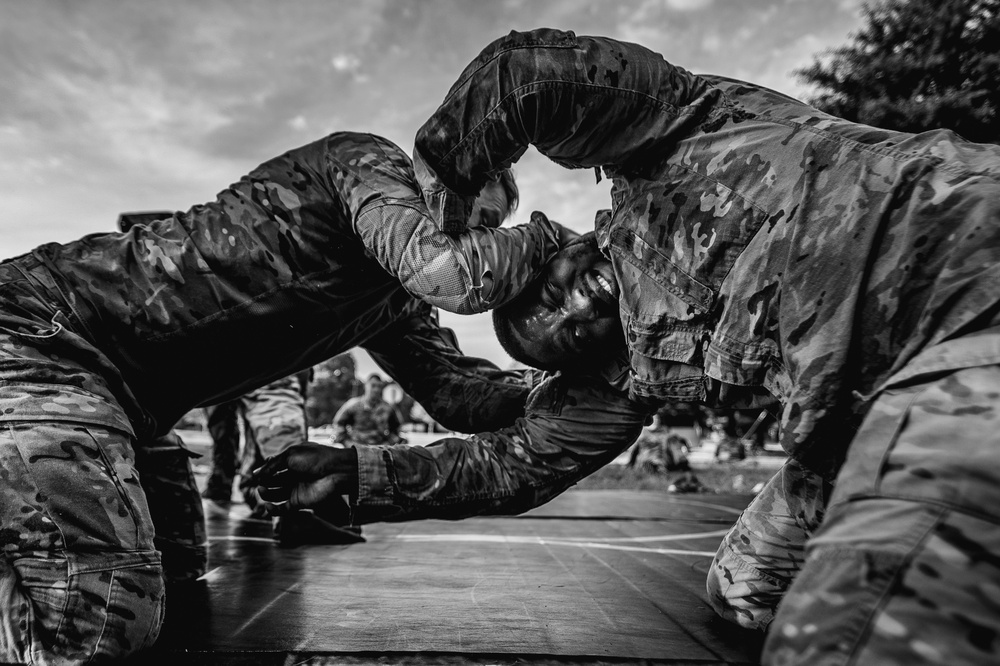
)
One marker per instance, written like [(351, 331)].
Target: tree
[(333, 384), (917, 65)]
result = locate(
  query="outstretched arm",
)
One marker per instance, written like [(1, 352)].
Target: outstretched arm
[(465, 273), (343, 419), (460, 392), (582, 101), (572, 428)]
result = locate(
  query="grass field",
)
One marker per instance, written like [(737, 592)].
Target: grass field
[(738, 478)]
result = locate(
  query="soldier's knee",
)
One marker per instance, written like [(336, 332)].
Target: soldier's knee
[(56, 611), (740, 593)]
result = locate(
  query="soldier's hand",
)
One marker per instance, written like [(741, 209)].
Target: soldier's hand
[(305, 475)]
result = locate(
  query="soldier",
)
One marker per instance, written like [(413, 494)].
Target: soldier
[(758, 249), (274, 418), (367, 419), (106, 341)]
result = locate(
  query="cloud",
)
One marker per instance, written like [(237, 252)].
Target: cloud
[(345, 62), (109, 106), (712, 42), (687, 5)]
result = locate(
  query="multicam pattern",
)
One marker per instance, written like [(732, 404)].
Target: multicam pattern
[(364, 423), (471, 272), (760, 245), (461, 393), (275, 418), (79, 572), (105, 342), (570, 429), (765, 549), (279, 269), (904, 569), (763, 247)]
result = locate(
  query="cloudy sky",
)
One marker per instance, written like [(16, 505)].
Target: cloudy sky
[(111, 106)]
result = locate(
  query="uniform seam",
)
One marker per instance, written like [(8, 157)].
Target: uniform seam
[(505, 49), (107, 608), (886, 593), (944, 505), (551, 83), (891, 152), (894, 438)]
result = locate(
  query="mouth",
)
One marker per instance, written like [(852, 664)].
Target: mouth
[(602, 288)]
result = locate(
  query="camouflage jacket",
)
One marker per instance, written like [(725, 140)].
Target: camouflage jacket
[(571, 428), (313, 253), (761, 246), (360, 422)]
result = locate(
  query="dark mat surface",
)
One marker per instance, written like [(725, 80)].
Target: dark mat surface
[(599, 576)]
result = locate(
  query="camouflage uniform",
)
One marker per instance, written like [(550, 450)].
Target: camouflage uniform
[(571, 427), (274, 418), (359, 422), (763, 249), (223, 422), (105, 342), (658, 451)]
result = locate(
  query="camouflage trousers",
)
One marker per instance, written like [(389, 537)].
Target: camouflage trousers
[(902, 566), (89, 519), (274, 418)]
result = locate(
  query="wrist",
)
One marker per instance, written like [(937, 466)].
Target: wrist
[(346, 472)]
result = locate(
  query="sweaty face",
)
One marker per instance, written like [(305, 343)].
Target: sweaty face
[(573, 316), (491, 206)]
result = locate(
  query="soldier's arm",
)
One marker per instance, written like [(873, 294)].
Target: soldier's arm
[(572, 428), (460, 392), (466, 273), (344, 418), (581, 101)]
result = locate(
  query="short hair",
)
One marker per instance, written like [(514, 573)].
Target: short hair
[(509, 185), (509, 319), (508, 327)]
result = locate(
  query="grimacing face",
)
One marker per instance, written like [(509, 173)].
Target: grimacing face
[(573, 312)]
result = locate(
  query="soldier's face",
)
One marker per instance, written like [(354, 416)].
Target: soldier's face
[(573, 314), (374, 387), (490, 207)]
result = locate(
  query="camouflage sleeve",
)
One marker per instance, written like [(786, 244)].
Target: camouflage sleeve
[(467, 273), (582, 101), (460, 392), (572, 428)]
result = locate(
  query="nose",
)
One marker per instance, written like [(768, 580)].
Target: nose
[(579, 306)]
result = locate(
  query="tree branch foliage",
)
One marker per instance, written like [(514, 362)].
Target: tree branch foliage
[(917, 65)]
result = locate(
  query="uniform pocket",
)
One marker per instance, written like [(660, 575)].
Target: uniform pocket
[(650, 262)]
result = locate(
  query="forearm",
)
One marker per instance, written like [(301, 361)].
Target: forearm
[(467, 273), (582, 101), (460, 392), (570, 431), (341, 421)]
